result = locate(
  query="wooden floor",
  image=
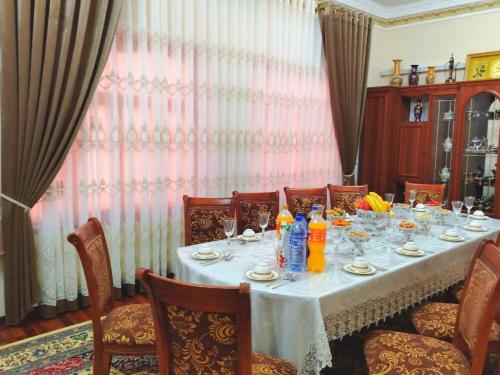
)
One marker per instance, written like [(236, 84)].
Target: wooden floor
[(37, 326)]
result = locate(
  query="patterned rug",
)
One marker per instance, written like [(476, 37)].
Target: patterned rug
[(65, 351)]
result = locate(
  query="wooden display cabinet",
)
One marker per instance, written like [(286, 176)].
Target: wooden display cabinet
[(458, 134)]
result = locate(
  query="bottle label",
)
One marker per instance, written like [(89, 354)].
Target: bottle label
[(317, 235)]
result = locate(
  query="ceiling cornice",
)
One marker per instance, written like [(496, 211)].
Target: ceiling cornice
[(421, 11)]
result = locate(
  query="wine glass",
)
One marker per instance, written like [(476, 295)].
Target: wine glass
[(389, 197), (412, 196), (263, 221), (469, 203), (229, 225), (457, 208)]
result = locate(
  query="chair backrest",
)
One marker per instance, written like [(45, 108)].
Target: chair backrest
[(479, 305), (92, 248), (343, 196), (211, 324), (249, 205), (301, 200), (425, 192), (204, 218)]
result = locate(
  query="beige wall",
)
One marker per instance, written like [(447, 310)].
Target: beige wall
[(432, 44)]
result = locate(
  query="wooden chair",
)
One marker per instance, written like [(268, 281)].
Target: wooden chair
[(216, 319), (425, 192), (301, 200), (249, 205), (438, 319), (125, 330), (475, 316), (342, 196), (204, 218), (458, 289)]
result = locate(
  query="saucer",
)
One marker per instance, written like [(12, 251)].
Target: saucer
[(451, 239), (201, 256), (252, 275), (478, 217), (476, 229), (419, 209), (248, 239), (357, 271), (410, 253)]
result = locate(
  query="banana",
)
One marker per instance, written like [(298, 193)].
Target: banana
[(374, 204), (379, 201)]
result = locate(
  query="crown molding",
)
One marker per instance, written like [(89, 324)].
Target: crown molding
[(417, 12)]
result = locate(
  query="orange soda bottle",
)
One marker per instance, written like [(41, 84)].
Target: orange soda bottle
[(284, 215), (316, 242)]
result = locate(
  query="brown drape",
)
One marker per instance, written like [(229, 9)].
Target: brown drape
[(346, 42), (53, 54)]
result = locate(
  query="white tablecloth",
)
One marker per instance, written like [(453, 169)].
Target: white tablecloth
[(295, 322)]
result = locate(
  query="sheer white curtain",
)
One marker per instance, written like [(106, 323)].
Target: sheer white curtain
[(198, 98)]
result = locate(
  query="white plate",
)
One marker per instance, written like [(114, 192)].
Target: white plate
[(475, 229), (249, 239), (252, 275), (451, 239), (419, 209), (478, 217), (209, 256), (349, 268), (410, 253)]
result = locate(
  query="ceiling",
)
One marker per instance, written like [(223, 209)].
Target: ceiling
[(389, 9)]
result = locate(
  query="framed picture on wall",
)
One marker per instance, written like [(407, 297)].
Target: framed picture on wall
[(485, 65)]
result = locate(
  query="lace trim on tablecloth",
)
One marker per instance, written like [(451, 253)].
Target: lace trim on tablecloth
[(346, 322), (318, 357)]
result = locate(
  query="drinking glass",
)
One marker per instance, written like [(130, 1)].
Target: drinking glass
[(263, 221), (229, 225), (457, 208), (389, 197), (469, 203)]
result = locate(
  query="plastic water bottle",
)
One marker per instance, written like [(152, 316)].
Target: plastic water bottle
[(298, 245)]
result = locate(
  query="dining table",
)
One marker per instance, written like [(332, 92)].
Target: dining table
[(297, 320)]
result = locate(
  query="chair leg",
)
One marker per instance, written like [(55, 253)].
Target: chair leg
[(102, 362)]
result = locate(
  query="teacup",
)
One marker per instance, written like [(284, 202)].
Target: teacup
[(420, 206), (360, 263), (475, 224), (205, 250), (410, 246), (262, 268), (249, 233), (451, 233)]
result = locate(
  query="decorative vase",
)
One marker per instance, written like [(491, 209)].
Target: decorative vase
[(418, 110), (447, 144), (413, 77), (397, 79), (431, 75), (444, 174)]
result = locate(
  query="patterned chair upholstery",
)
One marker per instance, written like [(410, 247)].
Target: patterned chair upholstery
[(249, 205), (208, 332), (129, 325), (402, 353), (127, 330), (302, 200), (438, 319), (343, 197), (425, 192), (390, 352), (204, 218)]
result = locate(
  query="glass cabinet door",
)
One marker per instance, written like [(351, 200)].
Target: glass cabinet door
[(479, 164), (443, 122)]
